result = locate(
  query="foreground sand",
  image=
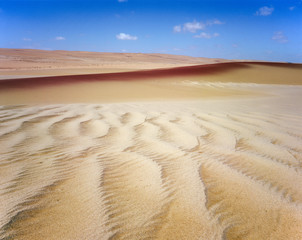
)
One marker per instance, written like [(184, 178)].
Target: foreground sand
[(214, 155), (179, 170)]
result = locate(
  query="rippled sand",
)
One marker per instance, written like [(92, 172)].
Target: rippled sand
[(211, 169)]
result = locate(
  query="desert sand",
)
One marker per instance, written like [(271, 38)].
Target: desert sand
[(16, 63), (184, 151)]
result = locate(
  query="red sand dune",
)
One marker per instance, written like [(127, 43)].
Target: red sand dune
[(139, 75)]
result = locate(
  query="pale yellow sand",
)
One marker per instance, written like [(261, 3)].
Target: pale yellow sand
[(216, 156), (202, 169)]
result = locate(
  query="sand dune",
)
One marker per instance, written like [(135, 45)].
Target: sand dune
[(194, 82), (17, 63), (195, 152)]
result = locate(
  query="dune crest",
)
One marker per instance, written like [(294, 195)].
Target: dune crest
[(17, 63)]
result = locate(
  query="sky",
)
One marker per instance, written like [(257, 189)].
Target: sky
[(269, 30)]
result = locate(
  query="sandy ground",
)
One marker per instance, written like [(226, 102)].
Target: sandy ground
[(203, 152), (18, 63)]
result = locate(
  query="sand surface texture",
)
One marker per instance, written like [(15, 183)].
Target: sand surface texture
[(223, 164)]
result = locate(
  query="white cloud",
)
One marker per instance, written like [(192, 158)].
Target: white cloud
[(59, 38), (195, 26), (122, 0), (177, 28), (265, 11), (124, 36), (206, 35), (279, 37), (292, 8), (27, 39)]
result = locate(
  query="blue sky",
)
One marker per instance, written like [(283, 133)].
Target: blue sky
[(233, 29)]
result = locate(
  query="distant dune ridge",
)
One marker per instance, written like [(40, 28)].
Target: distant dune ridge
[(194, 152), (52, 63)]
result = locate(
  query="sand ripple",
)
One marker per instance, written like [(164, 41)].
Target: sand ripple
[(140, 171)]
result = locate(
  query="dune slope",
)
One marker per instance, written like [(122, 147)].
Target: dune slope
[(32, 62), (193, 82)]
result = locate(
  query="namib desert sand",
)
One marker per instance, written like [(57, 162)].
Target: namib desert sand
[(148, 146)]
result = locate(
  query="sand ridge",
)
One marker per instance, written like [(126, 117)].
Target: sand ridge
[(190, 82), (17, 63)]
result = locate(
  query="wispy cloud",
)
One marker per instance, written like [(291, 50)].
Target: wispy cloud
[(206, 35), (265, 11), (122, 0), (177, 29), (27, 39), (214, 22), (60, 38), (176, 49), (279, 37), (292, 8), (195, 26), (124, 36)]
